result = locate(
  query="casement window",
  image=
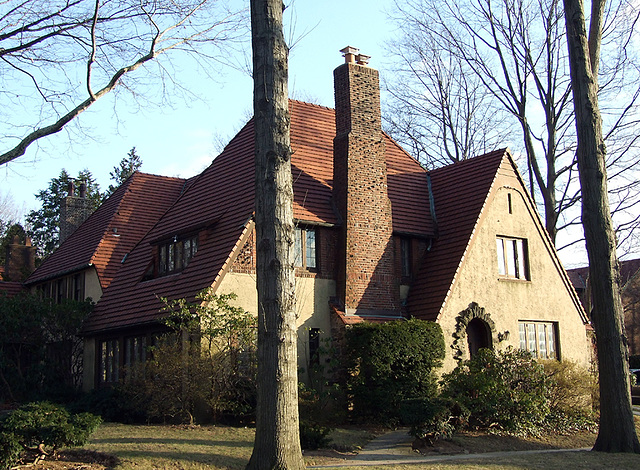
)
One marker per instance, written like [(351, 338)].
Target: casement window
[(512, 257), (405, 256), (305, 248), (135, 350), (109, 361), (539, 338), (174, 256)]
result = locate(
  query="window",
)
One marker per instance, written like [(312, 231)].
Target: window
[(109, 361), (539, 338), (135, 352), (405, 255), (512, 257), (175, 256), (305, 248)]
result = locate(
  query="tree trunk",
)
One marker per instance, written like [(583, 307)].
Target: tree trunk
[(616, 431), (277, 440)]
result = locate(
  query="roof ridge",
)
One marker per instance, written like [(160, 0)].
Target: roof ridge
[(291, 100)]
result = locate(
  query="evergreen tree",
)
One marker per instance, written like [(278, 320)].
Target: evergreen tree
[(44, 223), (127, 167)]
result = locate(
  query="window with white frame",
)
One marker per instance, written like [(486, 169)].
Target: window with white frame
[(512, 257), (539, 338), (305, 248)]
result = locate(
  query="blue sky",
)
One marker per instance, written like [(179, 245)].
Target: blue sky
[(180, 140)]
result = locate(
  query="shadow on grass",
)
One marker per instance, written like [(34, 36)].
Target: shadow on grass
[(165, 440), (175, 456)]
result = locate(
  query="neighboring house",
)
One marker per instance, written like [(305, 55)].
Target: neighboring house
[(629, 291), (378, 238), (20, 261), (93, 245)]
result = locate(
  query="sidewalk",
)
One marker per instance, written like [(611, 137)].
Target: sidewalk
[(394, 448)]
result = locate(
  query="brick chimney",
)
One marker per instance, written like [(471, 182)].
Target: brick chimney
[(366, 283), (20, 260), (74, 210)]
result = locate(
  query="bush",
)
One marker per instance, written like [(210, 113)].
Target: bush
[(432, 418), (43, 427), (570, 392), (208, 377), (313, 435), (389, 362), (504, 389)]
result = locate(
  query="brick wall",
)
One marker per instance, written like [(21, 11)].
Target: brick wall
[(366, 274)]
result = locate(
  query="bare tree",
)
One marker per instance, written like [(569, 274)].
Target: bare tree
[(515, 53), (58, 57), (277, 441), (617, 432), (439, 110)]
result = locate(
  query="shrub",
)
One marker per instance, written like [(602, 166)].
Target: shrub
[(432, 418), (313, 435), (43, 427), (389, 362), (504, 389), (570, 391), (210, 375)]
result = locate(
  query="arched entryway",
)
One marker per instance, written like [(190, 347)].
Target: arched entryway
[(478, 336)]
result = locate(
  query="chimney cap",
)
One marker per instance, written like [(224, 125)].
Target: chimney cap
[(349, 54), (362, 59)]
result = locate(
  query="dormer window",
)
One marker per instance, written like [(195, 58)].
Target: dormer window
[(174, 256)]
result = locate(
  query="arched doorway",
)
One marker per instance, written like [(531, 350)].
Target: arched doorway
[(478, 336)]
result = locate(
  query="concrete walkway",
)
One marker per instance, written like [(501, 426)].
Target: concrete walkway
[(394, 448)]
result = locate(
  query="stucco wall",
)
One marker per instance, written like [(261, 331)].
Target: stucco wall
[(312, 305), (544, 297), (92, 287)]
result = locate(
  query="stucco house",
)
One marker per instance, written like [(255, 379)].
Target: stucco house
[(378, 238)]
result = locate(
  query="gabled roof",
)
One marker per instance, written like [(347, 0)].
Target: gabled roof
[(221, 199), (113, 229), (628, 269), (460, 191)]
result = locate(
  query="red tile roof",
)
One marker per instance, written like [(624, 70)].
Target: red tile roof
[(459, 192), (113, 229), (628, 269), (221, 198), (11, 288)]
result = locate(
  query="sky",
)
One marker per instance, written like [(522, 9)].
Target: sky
[(181, 140)]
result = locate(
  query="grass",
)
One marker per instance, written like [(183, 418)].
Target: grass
[(174, 447), (220, 447)]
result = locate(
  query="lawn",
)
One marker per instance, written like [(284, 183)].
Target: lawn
[(221, 447)]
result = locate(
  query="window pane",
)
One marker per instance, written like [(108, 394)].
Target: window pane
[(187, 251), (311, 249), (531, 337), (521, 262), (298, 248), (523, 336), (405, 248), (171, 258), (162, 269), (501, 264), (542, 341), (551, 335), (510, 257)]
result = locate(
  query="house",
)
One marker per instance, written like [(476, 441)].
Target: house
[(629, 291), (93, 245), (378, 238)]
